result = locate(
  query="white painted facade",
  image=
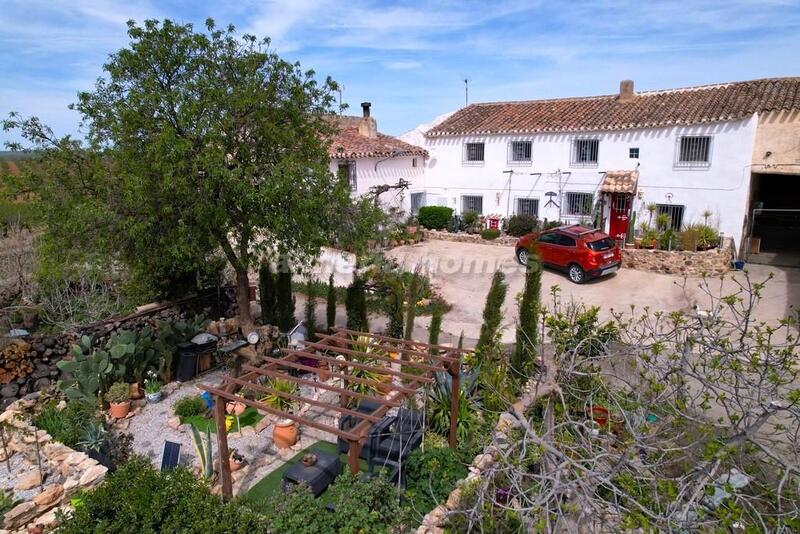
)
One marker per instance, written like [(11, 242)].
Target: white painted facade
[(722, 187), (371, 172)]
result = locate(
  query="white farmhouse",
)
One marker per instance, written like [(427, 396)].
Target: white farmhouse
[(370, 159), (689, 151)]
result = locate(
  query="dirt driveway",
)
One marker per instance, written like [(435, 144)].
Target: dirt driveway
[(462, 272)]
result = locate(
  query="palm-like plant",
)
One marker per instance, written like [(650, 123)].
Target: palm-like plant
[(362, 345), (277, 401)]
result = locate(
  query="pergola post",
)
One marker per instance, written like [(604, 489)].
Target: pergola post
[(455, 375), (222, 447), (353, 453)]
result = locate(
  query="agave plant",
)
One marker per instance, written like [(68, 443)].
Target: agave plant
[(203, 450), (94, 437)]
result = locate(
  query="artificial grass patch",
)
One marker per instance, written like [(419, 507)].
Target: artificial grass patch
[(249, 418), (257, 496)]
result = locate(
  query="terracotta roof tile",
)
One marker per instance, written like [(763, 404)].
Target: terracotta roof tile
[(693, 105), (350, 144), (619, 182)]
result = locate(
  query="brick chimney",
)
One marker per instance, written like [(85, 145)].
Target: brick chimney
[(368, 127), (626, 93)]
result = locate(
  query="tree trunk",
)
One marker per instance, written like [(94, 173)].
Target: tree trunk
[(243, 300)]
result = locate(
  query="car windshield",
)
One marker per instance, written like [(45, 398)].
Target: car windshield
[(601, 244)]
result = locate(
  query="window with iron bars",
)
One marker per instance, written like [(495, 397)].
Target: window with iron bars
[(473, 153), (675, 212), (519, 152), (472, 203), (578, 204), (528, 206), (348, 170), (417, 201), (693, 151), (585, 152)]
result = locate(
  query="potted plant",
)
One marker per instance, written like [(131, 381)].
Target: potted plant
[(285, 431), (119, 397), (152, 387), (236, 460)]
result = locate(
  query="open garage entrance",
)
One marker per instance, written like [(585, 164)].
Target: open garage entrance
[(775, 220)]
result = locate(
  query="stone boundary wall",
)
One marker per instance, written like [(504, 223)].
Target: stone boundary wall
[(708, 262), (503, 240), (66, 471)]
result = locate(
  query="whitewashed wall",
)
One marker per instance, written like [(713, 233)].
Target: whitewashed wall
[(721, 188), (378, 171)]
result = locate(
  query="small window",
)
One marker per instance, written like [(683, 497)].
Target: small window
[(472, 203), (601, 244), (585, 152), (348, 170), (520, 151), (551, 238), (473, 152), (565, 240), (417, 201), (633, 153), (579, 203), (528, 206), (694, 151), (413, 162), (675, 213)]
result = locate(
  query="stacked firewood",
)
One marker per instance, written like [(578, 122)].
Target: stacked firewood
[(16, 360)]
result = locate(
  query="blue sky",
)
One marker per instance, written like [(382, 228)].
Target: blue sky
[(410, 58)]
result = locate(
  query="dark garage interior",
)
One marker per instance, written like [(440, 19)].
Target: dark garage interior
[(778, 195)]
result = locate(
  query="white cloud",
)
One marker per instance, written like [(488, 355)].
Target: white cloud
[(403, 65)]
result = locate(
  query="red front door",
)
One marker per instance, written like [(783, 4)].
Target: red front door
[(620, 215)]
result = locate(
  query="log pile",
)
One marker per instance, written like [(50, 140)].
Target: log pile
[(16, 360)]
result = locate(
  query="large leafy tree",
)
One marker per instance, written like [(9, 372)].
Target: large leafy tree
[(196, 142)]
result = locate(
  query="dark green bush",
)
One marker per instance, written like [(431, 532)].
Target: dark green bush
[(137, 499), (519, 225), (189, 406), (430, 477), (490, 233), (435, 217)]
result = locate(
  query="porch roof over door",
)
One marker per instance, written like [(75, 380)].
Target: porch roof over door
[(619, 182)]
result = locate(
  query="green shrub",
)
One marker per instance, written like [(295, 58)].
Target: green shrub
[(7, 501), (137, 498), (430, 477), (189, 407), (118, 392), (68, 425), (519, 225), (490, 233), (435, 217)]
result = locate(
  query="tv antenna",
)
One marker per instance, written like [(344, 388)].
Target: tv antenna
[(466, 90)]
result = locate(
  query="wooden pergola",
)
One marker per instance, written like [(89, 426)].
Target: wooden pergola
[(354, 349)]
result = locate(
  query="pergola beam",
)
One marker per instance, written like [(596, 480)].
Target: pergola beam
[(387, 348), (410, 342), (359, 365), (276, 374)]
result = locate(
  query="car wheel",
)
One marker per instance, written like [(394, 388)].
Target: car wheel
[(522, 256), (576, 274)]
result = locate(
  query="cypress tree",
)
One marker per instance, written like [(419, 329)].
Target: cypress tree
[(492, 315), (436, 328), (285, 298), (528, 327), (356, 304), (461, 340), (310, 309), (395, 306), (266, 290), (412, 295), (330, 307)]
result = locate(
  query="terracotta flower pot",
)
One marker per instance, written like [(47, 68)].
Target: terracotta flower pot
[(136, 392), (235, 466), (120, 409), (284, 433), (235, 408)]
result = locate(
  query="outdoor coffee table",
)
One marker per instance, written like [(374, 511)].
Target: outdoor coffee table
[(318, 476)]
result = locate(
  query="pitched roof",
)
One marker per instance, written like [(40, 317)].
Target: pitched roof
[(619, 182), (350, 144), (692, 105)]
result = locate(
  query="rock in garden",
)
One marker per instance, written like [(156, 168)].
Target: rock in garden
[(9, 390), (92, 475), (29, 481), (174, 422), (49, 497), (19, 515)]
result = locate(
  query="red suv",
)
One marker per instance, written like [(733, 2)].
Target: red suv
[(582, 252)]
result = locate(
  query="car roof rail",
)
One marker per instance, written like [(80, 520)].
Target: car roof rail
[(570, 229)]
